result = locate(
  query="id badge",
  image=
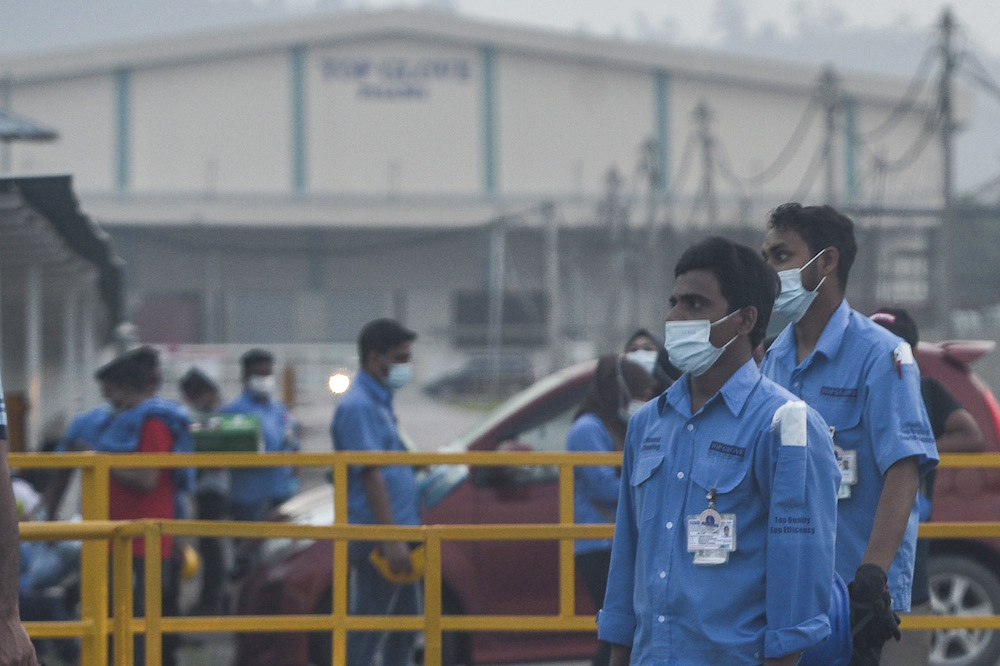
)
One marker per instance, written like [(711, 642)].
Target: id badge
[(847, 461), (711, 536)]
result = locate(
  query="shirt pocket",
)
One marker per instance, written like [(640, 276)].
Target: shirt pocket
[(644, 486), (844, 415), (725, 474)]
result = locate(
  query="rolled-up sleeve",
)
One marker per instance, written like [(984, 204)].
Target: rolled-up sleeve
[(801, 540)]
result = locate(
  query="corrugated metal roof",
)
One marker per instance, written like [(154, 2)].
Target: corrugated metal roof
[(18, 128), (41, 224)]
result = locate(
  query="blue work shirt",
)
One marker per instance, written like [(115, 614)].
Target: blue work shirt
[(364, 421), (595, 489), (771, 598), (873, 402), (86, 427), (250, 486)]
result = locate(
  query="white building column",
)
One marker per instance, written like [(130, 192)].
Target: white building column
[(71, 395), (33, 355), (88, 359)]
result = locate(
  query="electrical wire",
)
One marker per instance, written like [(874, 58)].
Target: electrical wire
[(788, 151), (932, 121), (981, 76), (810, 174), (906, 102)]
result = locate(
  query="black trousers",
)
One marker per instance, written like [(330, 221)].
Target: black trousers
[(592, 568)]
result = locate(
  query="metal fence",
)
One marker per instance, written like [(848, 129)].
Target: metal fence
[(96, 624)]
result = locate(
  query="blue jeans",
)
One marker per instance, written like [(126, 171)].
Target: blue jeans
[(370, 594)]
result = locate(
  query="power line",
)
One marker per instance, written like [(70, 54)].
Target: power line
[(810, 174), (790, 148), (981, 75), (906, 102)]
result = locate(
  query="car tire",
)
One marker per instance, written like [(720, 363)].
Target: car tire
[(962, 586)]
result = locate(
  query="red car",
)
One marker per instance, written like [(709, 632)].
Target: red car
[(485, 578)]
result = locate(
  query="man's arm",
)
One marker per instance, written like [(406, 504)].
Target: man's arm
[(620, 655), (893, 511), (15, 647), (961, 434), (396, 552)]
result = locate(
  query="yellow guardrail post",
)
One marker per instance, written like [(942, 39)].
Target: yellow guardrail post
[(153, 592), (340, 564), (433, 640), (567, 566), (94, 480), (121, 556)]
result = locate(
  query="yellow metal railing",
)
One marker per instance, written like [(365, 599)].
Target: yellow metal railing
[(95, 624)]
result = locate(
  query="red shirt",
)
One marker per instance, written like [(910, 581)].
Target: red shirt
[(127, 503)]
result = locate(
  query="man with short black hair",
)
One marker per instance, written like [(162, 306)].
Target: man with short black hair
[(864, 382), (723, 547), (257, 490), (365, 421)]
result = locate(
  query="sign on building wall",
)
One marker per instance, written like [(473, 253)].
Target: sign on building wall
[(407, 78)]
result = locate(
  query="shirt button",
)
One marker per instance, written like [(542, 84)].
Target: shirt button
[(663, 574), (661, 619), (680, 475), (670, 525), (690, 427)]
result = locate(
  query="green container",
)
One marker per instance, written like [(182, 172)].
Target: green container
[(227, 433)]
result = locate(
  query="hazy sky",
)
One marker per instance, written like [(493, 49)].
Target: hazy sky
[(696, 22)]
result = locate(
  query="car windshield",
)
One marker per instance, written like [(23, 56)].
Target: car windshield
[(516, 403)]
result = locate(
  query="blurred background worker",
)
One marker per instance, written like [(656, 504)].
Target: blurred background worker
[(211, 493), (147, 423), (387, 495), (955, 431), (257, 490), (618, 389), (646, 349)]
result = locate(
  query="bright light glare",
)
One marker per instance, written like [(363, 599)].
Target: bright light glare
[(339, 383)]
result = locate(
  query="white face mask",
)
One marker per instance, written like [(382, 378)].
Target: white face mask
[(261, 385), (689, 346), (794, 299), (644, 358), (399, 375)]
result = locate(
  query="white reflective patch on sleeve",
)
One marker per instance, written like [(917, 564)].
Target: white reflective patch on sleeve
[(791, 419), (902, 354)]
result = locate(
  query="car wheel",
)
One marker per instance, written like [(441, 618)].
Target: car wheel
[(961, 586)]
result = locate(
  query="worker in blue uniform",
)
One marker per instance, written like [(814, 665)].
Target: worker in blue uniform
[(365, 421), (865, 383), (257, 490), (724, 535)]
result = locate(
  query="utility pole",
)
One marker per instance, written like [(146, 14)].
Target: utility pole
[(703, 116), (830, 96), (945, 245), (611, 211), (548, 210), (497, 278)]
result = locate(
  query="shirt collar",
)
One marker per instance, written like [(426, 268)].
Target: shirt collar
[(734, 392), (829, 342), (377, 389)]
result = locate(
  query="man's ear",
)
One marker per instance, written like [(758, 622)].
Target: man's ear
[(747, 320), (829, 260)]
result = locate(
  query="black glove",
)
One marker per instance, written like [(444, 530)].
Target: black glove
[(873, 622)]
